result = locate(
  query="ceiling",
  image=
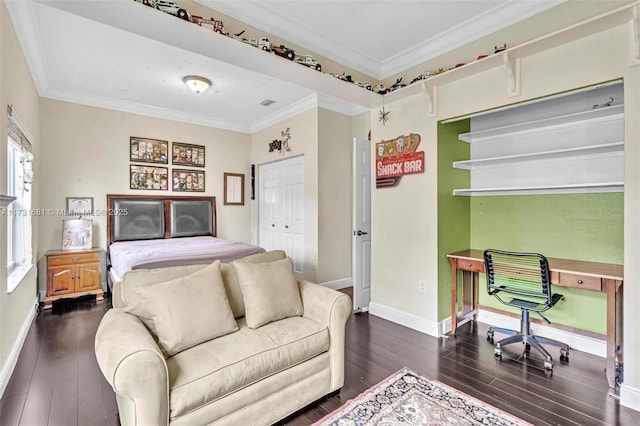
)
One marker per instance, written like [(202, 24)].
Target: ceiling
[(121, 55)]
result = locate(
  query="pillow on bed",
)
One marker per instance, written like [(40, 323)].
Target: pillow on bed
[(189, 310), (269, 290)]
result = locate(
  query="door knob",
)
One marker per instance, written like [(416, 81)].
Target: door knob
[(361, 233)]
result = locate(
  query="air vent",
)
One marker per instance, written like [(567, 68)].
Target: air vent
[(267, 102)]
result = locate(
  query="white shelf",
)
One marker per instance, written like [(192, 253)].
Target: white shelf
[(614, 112), (5, 200), (547, 189), (559, 153)]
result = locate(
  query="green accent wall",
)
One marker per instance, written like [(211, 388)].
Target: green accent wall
[(574, 226), (454, 225)]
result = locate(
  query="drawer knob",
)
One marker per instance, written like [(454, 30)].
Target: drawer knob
[(580, 282), (469, 265), (75, 259)]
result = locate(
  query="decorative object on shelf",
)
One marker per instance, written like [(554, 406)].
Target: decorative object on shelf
[(498, 49), (197, 83), (308, 61), (606, 104), (184, 154), (284, 51), (234, 189), (145, 177), (81, 206), (398, 157), (187, 180), (172, 8), (211, 24), (144, 150), (281, 145), (76, 234)]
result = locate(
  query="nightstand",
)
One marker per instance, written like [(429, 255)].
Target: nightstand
[(73, 273)]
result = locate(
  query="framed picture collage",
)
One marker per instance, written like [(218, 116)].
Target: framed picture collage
[(155, 173)]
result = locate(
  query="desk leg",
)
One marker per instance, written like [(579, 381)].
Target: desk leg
[(614, 327), (454, 295)]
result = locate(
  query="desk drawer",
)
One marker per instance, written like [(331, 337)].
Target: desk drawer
[(470, 265), (580, 281)]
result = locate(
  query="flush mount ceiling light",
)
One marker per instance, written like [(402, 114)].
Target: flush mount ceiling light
[(196, 83)]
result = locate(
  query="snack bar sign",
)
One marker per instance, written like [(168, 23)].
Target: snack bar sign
[(398, 157)]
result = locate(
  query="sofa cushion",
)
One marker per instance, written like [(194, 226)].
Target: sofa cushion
[(224, 365), (189, 310), (269, 290), (232, 285)]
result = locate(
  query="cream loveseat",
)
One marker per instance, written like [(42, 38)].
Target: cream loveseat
[(243, 343)]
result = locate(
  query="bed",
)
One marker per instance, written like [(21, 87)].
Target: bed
[(154, 231)]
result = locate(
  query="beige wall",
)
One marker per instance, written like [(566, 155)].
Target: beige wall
[(17, 89), (405, 218), (85, 152), (324, 139)]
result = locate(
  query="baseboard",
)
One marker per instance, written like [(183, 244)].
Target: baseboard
[(575, 341), (338, 284), (403, 318), (12, 359), (630, 396)]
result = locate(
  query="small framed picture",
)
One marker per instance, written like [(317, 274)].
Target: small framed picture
[(234, 189), (143, 150), (148, 177), (81, 206), (184, 154), (76, 234), (187, 180)]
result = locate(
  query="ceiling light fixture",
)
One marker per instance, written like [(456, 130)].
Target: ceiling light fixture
[(196, 83)]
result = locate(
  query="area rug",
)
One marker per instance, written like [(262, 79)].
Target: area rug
[(408, 398)]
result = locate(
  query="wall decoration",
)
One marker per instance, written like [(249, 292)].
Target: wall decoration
[(145, 150), (281, 145), (81, 206), (234, 189), (187, 180), (76, 234), (398, 157), (184, 154), (148, 177)]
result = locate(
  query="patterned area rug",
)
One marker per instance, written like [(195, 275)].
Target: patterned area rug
[(407, 398)]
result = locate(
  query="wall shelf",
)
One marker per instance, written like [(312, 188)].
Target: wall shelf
[(614, 112), (5, 200), (536, 156), (547, 189)]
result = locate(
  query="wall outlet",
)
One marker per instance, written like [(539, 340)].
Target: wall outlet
[(313, 261), (422, 286)]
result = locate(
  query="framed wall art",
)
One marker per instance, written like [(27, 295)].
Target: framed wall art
[(81, 206), (145, 150), (184, 154), (187, 180), (234, 189), (148, 177)]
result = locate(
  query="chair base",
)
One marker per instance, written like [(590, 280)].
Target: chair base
[(529, 340)]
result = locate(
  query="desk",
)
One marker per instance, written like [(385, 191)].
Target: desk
[(592, 276)]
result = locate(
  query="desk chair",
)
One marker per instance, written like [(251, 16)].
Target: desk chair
[(522, 280)]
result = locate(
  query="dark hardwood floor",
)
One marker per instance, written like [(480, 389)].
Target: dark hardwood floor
[(57, 380)]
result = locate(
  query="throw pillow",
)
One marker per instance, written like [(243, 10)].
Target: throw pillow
[(269, 290), (189, 310)]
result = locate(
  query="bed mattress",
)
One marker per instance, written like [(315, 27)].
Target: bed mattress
[(148, 254)]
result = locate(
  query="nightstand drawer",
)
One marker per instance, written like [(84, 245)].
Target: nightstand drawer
[(580, 281), (73, 258), (472, 265)]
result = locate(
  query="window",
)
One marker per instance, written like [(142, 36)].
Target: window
[(19, 182)]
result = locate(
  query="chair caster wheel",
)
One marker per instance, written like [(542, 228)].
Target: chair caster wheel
[(497, 353), (548, 366), (490, 336), (564, 355)]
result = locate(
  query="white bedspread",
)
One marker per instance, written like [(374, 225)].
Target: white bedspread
[(148, 254)]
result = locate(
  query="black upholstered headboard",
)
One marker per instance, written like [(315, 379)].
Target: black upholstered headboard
[(143, 217)]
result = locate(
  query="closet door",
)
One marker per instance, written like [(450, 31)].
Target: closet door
[(282, 208)]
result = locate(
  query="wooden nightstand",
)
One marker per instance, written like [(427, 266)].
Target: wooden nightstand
[(72, 274)]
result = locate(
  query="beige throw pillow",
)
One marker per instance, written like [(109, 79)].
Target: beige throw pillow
[(189, 310), (269, 290)]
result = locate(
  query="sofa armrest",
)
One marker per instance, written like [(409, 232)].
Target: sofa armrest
[(135, 367), (332, 309)]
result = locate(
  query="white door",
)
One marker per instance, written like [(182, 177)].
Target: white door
[(361, 224), (281, 208)]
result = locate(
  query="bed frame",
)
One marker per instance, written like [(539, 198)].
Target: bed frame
[(163, 212)]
